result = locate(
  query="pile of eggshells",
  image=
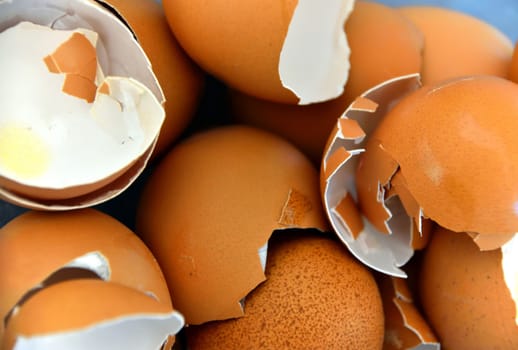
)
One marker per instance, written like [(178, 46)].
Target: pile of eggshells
[(360, 193)]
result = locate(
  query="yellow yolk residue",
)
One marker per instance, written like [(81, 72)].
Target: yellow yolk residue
[(22, 151)]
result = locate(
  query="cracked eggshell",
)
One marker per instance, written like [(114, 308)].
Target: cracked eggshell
[(209, 208), (316, 296), (455, 148), (87, 314), (40, 130), (458, 44), (473, 304), (378, 250), (405, 326), (36, 245), (299, 52), (181, 80), (371, 28)]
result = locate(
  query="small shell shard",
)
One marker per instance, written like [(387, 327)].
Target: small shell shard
[(76, 58), (295, 209)]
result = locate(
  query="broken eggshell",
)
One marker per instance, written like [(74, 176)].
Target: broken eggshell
[(300, 53), (91, 314), (431, 158), (371, 28), (209, 208), (452, 149), (405, 327), (316, 296), (380, 251), (38, 247), (132, 87)]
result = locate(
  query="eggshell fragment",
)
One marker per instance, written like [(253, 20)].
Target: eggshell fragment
[(316, 296), (35, 245), (405, 327), (457, 44), (38, 128), (470, 306), (283, 45), (314, 59), (376, 249), (87, 314), (211, 205)]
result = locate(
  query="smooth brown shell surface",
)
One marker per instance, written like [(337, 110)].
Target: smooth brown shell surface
[(212, 203), (207, 31), (464, 295), (457, 44)]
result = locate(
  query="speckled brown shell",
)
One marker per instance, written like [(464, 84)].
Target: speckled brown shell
[(316, 296)]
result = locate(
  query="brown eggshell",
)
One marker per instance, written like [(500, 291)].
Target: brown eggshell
[(371, 28), (384, 45), (180, 79), (307, 126), (405, 327), (316, 296), (207, 32), (117, 44), (513, 69), (455, 146), (338, 180), (36, 244), (464, 295), (75, 306), (212, 203), (457, 44), (45, 199)]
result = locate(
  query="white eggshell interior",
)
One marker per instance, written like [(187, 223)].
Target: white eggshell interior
[(134, 332), (52, 139), (314, 59)]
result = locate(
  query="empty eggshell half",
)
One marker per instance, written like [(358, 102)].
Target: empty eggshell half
[(37, 247), (299, 52), (381, 251), (440, 153), (80, 105), (209, 208), (91, 314)]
